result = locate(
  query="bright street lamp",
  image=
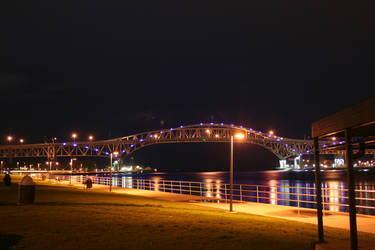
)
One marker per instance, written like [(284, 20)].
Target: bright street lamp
[(74, 136), (9, 139), (22, 141), (237, 136), (91, 137)]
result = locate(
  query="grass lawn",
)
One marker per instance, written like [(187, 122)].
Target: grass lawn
[(67, 218)]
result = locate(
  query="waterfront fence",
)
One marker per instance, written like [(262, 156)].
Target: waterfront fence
[(335, 199)]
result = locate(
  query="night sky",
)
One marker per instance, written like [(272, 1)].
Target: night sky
[(113, 68)]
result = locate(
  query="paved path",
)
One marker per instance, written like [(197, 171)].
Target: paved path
[(365, 223)]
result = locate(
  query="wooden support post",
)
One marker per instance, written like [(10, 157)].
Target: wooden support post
[(231, 176), (351, 186), (318, 192)]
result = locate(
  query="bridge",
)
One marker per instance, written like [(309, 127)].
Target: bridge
[(283, 148)]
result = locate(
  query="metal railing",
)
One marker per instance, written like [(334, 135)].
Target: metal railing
[(335, 199)]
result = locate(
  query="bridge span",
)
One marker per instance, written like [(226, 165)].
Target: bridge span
[(203, 132)]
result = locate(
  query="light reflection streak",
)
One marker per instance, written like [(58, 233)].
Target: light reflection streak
[(127, 182), (333, 195), (156, 181), (218, 190), (273, 192), (208, 187)]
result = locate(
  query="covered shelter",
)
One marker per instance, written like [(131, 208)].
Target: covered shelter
[(356, 124)]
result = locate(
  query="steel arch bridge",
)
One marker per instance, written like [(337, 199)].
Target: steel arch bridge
[(203, 132)]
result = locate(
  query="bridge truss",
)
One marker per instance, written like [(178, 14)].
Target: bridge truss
[(203, 133)]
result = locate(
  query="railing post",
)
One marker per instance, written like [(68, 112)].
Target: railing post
[(351, 189), (180, 188), (297, 198), (163, 186), (225, 193), (200, 189), (318, 190), (276, 196), (190, 188), (240, 192), (257, 194)]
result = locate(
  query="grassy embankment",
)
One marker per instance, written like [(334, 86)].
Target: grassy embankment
[(68, 218)]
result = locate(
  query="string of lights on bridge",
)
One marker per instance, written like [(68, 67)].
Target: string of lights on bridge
[(202, 132), (270, 134), (209, 130)]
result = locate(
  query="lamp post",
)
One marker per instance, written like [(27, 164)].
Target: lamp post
[(237, 136), (9, 139), (110, 170), (71, 170)]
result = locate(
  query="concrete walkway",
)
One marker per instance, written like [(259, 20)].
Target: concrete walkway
[(365, 223)]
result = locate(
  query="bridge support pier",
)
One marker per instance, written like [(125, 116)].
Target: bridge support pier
[(282, 164), (297, 162)]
